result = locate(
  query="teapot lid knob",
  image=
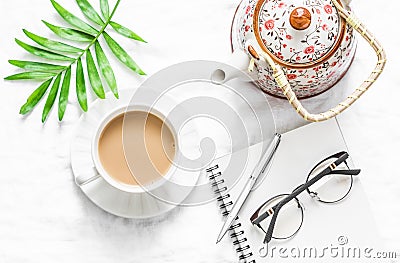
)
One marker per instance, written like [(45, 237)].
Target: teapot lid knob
[(300, 18)]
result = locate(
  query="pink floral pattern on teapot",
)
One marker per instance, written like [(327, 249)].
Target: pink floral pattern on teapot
[(313, 58)]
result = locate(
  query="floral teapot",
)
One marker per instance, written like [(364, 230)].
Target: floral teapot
[(297, 49)]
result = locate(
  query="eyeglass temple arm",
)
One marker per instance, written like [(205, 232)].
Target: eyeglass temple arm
[(268, 235), (278, 207), (352, 172), (301, 189)]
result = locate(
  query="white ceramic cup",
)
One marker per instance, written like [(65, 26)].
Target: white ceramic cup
[(98, 170)]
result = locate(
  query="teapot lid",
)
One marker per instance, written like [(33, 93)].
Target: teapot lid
[(298, 33)]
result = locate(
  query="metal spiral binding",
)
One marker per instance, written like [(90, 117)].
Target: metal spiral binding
[(216, 183), (239, 241), (223, 197), (212, 168), (213, 176), (225, 213), (235, 226), (225, 205), (244, 256), (238, 235), (241, 249), (221, 190)]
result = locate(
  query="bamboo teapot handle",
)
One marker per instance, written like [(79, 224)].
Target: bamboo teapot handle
[(283, 82)]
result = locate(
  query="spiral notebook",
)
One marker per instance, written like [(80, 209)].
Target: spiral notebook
[(324, 225)]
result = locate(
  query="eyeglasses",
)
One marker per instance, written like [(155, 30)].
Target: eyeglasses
[(330, 181)]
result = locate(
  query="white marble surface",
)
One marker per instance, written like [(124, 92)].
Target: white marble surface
[(45, 217)]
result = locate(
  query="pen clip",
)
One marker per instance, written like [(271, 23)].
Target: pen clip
[(271, 151), (274, 144)]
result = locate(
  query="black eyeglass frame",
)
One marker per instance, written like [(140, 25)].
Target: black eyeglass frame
[(274, 211)]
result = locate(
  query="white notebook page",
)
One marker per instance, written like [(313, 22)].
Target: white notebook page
[(347, 226)]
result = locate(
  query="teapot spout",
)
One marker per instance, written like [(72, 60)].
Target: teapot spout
[(239, 61)]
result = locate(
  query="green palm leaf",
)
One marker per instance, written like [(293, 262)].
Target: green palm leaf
[(73, 20), (52, 45), (51, 98), (81, 86), (35, 97), (64, 93), (89, 12), (122, 55), (94, 77), (59, 72), (106, 69), (36, 66), (43, 53), (126, 32), (105, 9), (33, 75), (70, 34)]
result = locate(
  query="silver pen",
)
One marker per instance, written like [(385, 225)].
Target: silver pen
[(258, 170)]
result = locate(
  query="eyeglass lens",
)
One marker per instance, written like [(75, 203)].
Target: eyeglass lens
[(331, 188), (289, 220)]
